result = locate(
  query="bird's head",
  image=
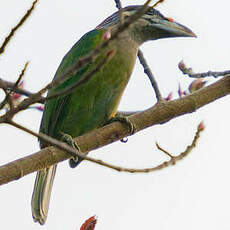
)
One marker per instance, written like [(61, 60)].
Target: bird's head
[(151, 25)]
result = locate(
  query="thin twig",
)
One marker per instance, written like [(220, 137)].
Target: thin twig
[(150, 75), (3, 86), (14, 29), (188, 71), (8, 92), (158, 2), (188, 149), (8, 99), (3, 103), (164, 151), (120, 12), (21, 74), (11, 86), (118, 4)]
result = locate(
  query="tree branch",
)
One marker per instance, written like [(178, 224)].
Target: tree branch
[(188, 71), (150, 75), (20, 23), (158, 114)]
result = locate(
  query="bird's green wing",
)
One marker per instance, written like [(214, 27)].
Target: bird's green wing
[(53, 107)]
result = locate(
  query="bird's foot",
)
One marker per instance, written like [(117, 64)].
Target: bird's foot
[(75, 161), (125, 120)]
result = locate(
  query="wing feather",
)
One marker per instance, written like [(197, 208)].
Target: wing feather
[(53, 107)]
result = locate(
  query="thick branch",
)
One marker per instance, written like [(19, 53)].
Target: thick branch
[(158, 114)]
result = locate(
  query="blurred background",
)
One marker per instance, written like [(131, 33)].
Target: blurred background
[(194, 194)]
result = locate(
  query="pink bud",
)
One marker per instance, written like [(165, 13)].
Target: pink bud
[(16, 96), (196, 84), (169, 97), (181, 66), (180, 93), (201, 126), (40, 108)]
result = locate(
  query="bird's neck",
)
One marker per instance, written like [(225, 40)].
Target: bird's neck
[(127, 40)]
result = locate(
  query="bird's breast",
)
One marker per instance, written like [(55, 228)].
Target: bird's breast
[(93, 103)]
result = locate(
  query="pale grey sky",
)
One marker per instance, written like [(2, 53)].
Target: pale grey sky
[(194, 194)]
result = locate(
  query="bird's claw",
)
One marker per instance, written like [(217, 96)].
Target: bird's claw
[(125, 120), (75, 160)]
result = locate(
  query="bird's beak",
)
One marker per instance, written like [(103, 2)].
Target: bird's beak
[(170, 28)]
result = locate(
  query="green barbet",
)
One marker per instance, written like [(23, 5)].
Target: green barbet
[(95, 102)]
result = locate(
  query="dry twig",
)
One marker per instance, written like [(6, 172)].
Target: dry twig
[(20, 23), (182, 155), (21, 75), (188, 71), (150, 75), (118, 4), (8, 92), (158, 2)]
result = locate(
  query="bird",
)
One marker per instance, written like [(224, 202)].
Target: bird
[(94, 102)]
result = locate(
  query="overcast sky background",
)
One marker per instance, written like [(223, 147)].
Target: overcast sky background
[(194, 194)]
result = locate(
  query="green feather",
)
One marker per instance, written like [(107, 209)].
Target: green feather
[(53, 107)]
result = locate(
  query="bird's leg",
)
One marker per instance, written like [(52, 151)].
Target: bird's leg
[(124, 119), (75, 161)]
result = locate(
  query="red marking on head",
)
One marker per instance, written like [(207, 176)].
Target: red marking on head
[(107, 35), (171, 19)]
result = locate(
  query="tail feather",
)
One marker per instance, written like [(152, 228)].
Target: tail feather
[(41, 194)]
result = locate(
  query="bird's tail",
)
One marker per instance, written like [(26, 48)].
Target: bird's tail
[(41, 194)]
